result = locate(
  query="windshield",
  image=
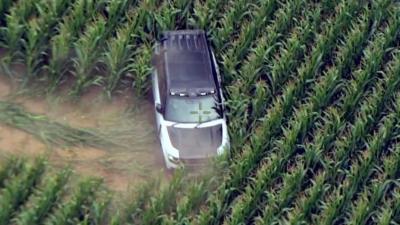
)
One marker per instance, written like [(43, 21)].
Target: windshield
[(191, 110)]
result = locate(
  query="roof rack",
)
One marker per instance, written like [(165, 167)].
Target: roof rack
[(189, 40), (193, 92)]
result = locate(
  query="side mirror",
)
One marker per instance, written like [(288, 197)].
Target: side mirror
[(159, 109), (154, 59)]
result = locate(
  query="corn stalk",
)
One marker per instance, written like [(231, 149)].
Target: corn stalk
[(96, 212), (206, 14), (12, 34), (10, 169), (89, 48), (17, 191), (141, 69), (359, 172), (333, 123), (50, 132), (165, 202), (38, 33), (237, 12), (43, 200), (122, 48), (252, 155), (87, 53), (61, 45), (132, 214), (239, 92), (4, 8), (71, 212), (390, 206)]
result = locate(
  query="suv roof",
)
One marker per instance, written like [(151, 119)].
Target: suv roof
[(187, 63)]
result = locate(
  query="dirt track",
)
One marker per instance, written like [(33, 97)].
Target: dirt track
[(120, 168)]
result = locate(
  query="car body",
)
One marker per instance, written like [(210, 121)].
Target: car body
[(188, 101)]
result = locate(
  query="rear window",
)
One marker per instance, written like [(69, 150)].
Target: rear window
[(185, 66)]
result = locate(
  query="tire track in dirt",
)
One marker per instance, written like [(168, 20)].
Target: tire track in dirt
[(124, 119)]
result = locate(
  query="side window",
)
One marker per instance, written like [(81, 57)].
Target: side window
[(162, 81), (158, 60)]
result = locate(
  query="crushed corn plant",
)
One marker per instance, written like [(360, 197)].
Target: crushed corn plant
[(313, 100)]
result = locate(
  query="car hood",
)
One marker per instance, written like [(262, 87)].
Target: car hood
[(196, 143)]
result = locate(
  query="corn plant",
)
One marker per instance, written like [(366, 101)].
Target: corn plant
[(165, 202), (372, 64), (96, 212), (61, 45), (384, 216), (116, 219), (13, 33), (50, 132), (17, 191), (305, 204), (317, 149), (359, 172), (238, 11), (390, 209), (377, 52), (323, 49), (87, 52), (338, 119), (188, 205), (305, 71), (391, 164), (315, 152), (116, 13), (44, 199), (34, 49), (206, 14), (165, 18), (367, 201), (38, 34), (121, 48), (290, 57), (71, 211), (277, 200), (303, 74), (60, 52), (149, 8), (141, 199), (11, 168), (118, 57), (4, 8), (185, 8), (89, 47), (364, 124), (287, 146), (141, 69), (239, 92), (284, 21), (144, 21), (389, 213)]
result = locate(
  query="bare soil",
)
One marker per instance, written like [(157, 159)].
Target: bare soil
[(121, 169)]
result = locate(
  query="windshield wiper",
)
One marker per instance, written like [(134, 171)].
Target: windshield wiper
[(199, 124), (174, 124)]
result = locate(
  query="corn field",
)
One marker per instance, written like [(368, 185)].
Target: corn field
[(32, 193), (312, 92)]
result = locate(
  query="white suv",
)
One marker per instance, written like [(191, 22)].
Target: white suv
[(188, 101)]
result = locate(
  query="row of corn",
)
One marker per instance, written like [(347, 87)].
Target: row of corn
[(314, 115)]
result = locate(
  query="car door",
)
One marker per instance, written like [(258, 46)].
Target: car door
[(156, 95), (158, 89)]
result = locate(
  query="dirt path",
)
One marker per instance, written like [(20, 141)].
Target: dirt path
[(131, 118)]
